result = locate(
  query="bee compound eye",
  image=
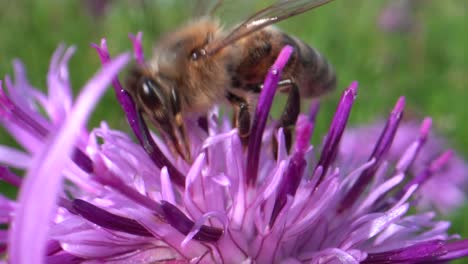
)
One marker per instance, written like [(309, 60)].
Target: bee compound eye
[(198, 53), (150, 94)]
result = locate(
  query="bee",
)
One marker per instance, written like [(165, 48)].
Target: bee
[(200, 65)]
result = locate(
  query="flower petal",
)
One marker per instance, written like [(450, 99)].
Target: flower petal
[(42, 184)]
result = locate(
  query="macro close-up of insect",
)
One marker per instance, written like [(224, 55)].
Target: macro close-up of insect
[(233, 131), (202, 64)]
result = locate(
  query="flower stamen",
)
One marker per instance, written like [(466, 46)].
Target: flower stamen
[(336, 130), (261, 113), (379, 152), (108, 220)]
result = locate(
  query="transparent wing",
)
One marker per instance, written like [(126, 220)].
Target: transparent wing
[(275, 13), (231, 11)]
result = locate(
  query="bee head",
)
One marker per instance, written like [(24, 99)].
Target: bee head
[(158, 100)]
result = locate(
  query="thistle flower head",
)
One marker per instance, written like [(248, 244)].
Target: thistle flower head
[(99, 196)]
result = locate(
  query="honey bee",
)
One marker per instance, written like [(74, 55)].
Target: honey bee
[(201, 64)]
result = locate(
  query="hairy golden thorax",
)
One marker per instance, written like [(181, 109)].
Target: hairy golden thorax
[(200, 65), (201, 82)]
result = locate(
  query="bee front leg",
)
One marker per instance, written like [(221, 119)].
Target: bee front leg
[(290, 113), (242, 119)]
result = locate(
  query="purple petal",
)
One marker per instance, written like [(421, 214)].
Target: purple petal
[(411, 154), (336, 129), (63, 258), (379, 152), (43, 181), (21, 89), (371, 228), (10, 177), (261, 113), (418, 253), (60, 94), (14, 157), (22, 115), (296, 166), (82, 160), (100, 244), (456, 250), (167, 191), (434, 166), (106, 177), (304, 128), (184, 225), (314, 110), (334, 255), (137, 47), (108, 220)]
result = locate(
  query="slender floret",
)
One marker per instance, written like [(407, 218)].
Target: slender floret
[(99, 196), (442, 187)]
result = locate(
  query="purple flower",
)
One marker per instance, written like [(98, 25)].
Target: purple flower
[(444, 189), (98, 196), (398, 16)]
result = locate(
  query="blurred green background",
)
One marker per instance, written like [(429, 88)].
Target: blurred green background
[(420, 53)]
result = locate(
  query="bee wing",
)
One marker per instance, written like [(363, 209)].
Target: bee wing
[(275, 13)]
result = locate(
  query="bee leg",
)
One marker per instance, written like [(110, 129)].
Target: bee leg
[(241, 118), (290, 113)]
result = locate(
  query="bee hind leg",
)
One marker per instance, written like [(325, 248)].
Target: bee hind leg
[(290, 113), (241, 119), (242, 115)]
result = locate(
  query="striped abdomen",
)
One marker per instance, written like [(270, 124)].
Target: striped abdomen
[(307, 68)]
